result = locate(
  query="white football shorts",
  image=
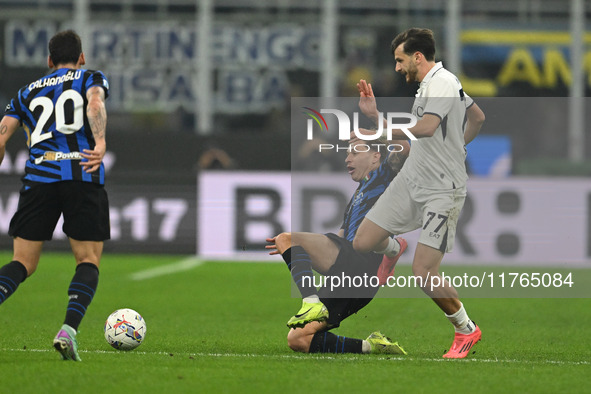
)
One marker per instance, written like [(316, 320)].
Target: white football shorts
[(404, 207)]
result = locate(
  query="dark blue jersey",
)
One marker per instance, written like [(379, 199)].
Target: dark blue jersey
[(366, 195), (52, 111)]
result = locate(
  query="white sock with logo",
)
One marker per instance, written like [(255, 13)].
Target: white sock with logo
[(365, 347), (392, 249), (461, 321), (311, 299)]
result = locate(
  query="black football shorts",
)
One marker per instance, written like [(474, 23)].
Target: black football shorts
[(344, 301), (84, 205)]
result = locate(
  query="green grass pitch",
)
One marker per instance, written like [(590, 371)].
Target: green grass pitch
[(220, 327)]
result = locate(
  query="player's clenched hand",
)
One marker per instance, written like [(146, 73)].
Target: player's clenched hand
[(273, 247), (93, 157), (367, 100)]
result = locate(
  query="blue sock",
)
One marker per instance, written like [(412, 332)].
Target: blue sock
[(81, 292), (300, 265), (327, 342), (11, 275)]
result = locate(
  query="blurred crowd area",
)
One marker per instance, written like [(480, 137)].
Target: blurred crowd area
[(264, 53)]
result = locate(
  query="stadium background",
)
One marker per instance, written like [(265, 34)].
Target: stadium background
[(184, 102), (220, 327)]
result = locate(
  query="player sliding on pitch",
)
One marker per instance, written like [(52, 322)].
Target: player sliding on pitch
[(333, 255)]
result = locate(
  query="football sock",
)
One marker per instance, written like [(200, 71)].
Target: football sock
[(11, 275), (311, 299), (80, 293), (392, 249), (461, 321), (300, 265), (327, 342), (365, 347)]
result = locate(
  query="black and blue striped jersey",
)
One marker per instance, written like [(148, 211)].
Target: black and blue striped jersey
[(369, 190), (52, 111)]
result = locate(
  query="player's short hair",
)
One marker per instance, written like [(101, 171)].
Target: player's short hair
[(378, 145), (380, 141), (65, 47), (416, 40)]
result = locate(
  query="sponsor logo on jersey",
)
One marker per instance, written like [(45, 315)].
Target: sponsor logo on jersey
[(57, 156), (358, 198)]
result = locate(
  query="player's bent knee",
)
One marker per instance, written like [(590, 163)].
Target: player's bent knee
[(30, 269), (87, 251), (298, 341), (425, 275), (361, 245), (419, 271), (30, 266)]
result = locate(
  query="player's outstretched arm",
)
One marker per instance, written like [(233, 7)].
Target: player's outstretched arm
[(475, 119), (8, 126), (272, 247), (424, 128), (367, 101), (97, 117), (396, 159)]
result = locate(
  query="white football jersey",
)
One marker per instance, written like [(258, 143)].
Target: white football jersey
[(438, 162)]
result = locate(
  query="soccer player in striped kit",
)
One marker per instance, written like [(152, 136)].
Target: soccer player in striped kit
[(324, 308), (64, 119)]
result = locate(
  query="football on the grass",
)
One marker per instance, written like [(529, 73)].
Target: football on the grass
[(125, 329)]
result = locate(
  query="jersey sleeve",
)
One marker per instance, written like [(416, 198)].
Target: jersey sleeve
[(12, 109), (440, 96), (97, 78), (469, 101)]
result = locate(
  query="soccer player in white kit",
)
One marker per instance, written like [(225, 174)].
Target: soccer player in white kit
[(431, 190)]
